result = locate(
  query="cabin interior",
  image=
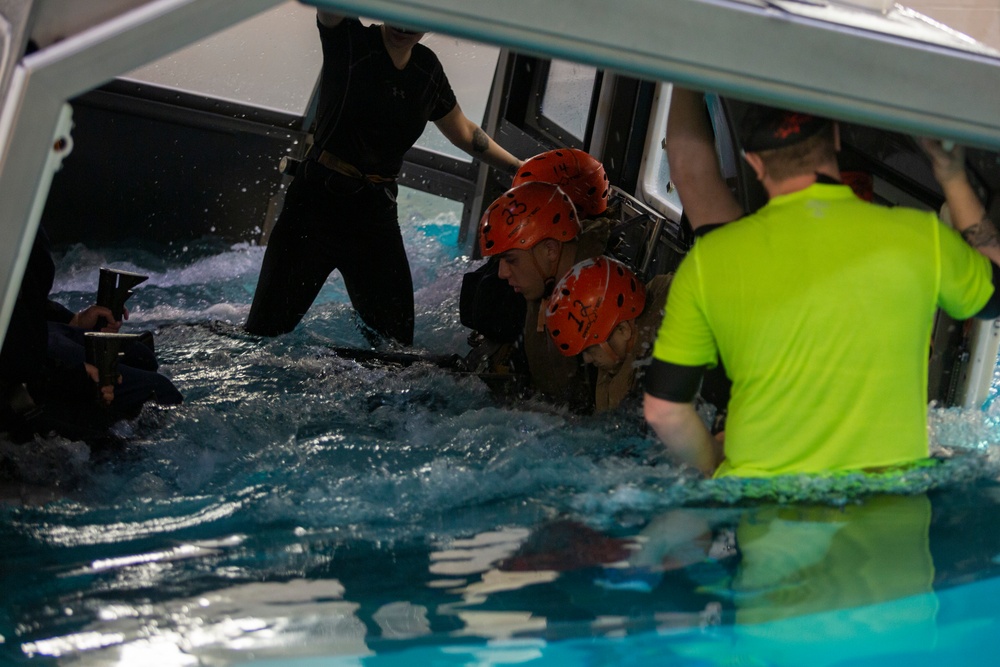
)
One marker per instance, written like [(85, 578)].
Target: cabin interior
[(163, 121)]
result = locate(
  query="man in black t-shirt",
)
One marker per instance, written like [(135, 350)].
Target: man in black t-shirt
[(379, 87)]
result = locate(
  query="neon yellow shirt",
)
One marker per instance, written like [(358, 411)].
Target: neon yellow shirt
[(821, 306)]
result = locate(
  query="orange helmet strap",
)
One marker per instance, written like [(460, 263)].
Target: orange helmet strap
[(548, 278), (610, 352)]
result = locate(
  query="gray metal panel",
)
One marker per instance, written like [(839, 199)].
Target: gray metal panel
[(755, 52), (43, 81), (55, 20), (15, 18)]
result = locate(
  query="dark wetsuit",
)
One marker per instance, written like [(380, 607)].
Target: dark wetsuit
[(46, 355), (370, 114)]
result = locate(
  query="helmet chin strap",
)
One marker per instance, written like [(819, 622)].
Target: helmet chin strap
[(630, 343), (610, 352), (550, 281), (606, 346)]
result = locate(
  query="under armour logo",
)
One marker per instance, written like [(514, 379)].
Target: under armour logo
[(396, 92)]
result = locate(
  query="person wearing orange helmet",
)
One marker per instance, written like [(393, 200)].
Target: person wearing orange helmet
[(534, 231), (580, 175), (603, 312), (487, 305)]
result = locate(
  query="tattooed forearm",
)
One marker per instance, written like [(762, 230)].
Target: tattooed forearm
[(983, 234), (480, 141)]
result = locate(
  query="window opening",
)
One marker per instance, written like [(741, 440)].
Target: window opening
[(657, 188), (237, 65), (470, 67), (561, 107), (281, 72)]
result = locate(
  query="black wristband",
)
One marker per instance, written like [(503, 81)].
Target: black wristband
[(673, 382)]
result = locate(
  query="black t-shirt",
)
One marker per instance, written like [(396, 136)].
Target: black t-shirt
[(22, 358), (371, 113), (23, 353)]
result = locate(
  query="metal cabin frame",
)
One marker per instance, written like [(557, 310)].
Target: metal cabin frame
[(88, 48), (945, 87)]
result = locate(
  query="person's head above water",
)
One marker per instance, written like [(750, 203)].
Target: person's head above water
[(780, 144), (527, 227), (765, 128), (592, 312), (579, 174), (400, 38)]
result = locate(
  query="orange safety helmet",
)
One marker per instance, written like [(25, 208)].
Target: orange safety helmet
[(578, 173), (525, 215), (590, 301)]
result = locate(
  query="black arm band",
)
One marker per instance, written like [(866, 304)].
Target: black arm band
[(992, 308), (672, 382)]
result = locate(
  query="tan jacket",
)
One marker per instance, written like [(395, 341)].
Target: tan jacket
[(558, 378), (613, 388)]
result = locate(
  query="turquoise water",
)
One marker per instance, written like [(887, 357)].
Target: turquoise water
[(303, 509)]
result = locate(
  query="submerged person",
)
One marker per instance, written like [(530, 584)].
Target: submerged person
[(46, 383), (601, 311), (780, 296), (378, 89), (534, 231)]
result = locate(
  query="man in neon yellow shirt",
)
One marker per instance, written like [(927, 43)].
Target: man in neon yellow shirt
[(820, 307)]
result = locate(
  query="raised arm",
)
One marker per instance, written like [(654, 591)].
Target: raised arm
[(968, 216), (694, 165), (465, 134)]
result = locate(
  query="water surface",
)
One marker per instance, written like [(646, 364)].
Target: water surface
[(303, 506)]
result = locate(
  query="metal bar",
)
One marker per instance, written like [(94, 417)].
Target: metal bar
[(15, 20), (446, 184), (977, 383), (851, 73), (44, 81), (491, 123)]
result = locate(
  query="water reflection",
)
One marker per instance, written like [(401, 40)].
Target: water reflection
[(770, 583), (837, 583), (819, 579)]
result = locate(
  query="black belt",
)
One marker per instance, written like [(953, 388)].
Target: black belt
[(334, 163)]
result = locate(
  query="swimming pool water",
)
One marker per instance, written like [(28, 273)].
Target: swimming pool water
[(301, 508)]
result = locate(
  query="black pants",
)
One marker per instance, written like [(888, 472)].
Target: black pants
[(328, 222), (140, 381)]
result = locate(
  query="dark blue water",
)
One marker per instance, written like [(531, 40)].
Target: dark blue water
[(302, 507)]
